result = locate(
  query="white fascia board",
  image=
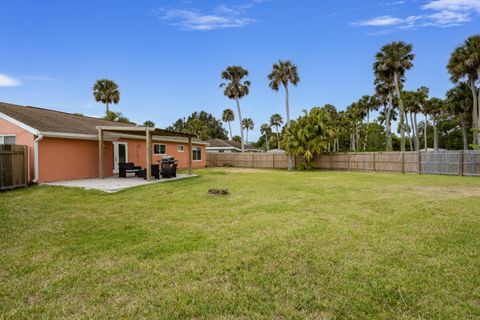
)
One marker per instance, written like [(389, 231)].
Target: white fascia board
[(19, 124)]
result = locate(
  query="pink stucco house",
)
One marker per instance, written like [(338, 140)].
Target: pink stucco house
[(65, 146)]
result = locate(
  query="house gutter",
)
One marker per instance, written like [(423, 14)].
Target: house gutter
[(35, 157)]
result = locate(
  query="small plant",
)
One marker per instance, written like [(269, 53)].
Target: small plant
[(228, 165)]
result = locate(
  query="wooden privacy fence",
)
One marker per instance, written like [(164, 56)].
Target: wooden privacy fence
[(13, 166), (441, 162)]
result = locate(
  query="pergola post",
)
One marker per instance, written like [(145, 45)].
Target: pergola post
[(190, 156), (100, 154), (149, 153)]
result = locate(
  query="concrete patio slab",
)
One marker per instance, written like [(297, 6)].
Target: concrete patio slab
[(112, 184)]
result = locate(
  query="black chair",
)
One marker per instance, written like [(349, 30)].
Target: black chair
[(155, 172), (174, 170), (128, 167)]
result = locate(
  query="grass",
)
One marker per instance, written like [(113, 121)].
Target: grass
[(302, 245)]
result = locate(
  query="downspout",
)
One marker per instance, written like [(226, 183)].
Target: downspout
[(35, 157)]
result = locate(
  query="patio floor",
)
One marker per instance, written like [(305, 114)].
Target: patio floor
[(112, 184)]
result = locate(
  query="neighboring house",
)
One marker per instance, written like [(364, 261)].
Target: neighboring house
[(228, 146), (64, 146)]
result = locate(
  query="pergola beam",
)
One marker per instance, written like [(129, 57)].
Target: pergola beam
[(148, 152), (100, 154), (190, 155)]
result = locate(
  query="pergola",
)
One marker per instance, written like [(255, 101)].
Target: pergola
[(146, 132)]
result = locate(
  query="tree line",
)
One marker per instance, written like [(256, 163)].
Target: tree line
[(451, 122)]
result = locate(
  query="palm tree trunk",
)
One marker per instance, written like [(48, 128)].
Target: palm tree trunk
[(290, 160), (435, 134), (366, 133), (388, 126), (408, 126), (417, 136), (402, 113), (464, 132), (266, 140), (247, 134), (230, 128), (107, 109), (278, 140), (425, 132), (475, 112), (241, 125)]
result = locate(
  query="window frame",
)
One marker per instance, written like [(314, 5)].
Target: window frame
[(197, 149), (183, 148), (3, 136), (159, 144)]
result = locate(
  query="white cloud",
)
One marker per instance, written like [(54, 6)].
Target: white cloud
[(194, 20), (453, 5), (222, 16), (7, 81), (436, 13), (381, 21)]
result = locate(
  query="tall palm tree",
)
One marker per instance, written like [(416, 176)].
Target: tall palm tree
[(107, 92), (284, 73), (276, 121), (228, 116), (421, 98), (464, 63), (434, 108), (236, 88), (265, 130), (458, 104), (248, 125), (384, 89), (396, 58)]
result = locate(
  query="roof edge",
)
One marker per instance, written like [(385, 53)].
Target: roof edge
[(18, 123)]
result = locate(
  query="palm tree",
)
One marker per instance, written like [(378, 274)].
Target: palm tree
[(107, 92), (459, 103), (235, 89), (284, 73), (265, 130), (248, 125), (384, 89), (228, 116), (464, 63), (434, 108), (276, 121), (396, 58), (149, 123)]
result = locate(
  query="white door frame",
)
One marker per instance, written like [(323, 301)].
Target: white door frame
[(115, 155)]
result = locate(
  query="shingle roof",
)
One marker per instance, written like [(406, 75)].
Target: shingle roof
[(219, 143), (55, 121)]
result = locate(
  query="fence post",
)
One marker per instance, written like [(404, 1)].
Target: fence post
[(374, 161), (419, 162), (253, 160), (460, 162), (26, 165), (273, 161), (349, 160), (403, 162)]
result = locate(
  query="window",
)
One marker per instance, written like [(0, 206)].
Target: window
[(181, 148), (7, 139), (159, 149), (197, 153)]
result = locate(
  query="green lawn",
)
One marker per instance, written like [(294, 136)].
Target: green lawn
[(301, 245)]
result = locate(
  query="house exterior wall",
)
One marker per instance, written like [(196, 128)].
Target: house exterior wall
[(69, 159), (23, 137), (137, 152)]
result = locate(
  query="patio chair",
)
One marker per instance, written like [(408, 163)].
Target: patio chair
[(174, 170), (155, 172), (128, 167)]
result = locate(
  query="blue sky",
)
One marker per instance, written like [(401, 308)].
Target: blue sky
[(167, 56)]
